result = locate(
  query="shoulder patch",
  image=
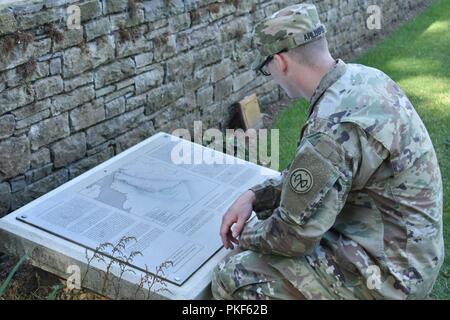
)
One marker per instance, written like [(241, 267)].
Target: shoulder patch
[(311, 175), (301, 180)]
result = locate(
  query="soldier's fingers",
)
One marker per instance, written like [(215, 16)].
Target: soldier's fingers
[(230, 245), (238, 227), (233, 239), (224, 239), (225, 230), (230, 240)]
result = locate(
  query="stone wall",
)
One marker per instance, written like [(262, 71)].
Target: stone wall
[(72, 98)]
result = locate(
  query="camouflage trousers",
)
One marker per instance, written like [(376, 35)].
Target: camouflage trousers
[(249, 275), (246, 276)]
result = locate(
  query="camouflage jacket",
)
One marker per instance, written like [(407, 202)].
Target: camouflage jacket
[(364, 187)]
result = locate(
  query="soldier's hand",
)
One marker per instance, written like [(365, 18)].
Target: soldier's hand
[(237, 214)]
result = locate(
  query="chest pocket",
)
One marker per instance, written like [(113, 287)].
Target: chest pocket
[(311, 175)]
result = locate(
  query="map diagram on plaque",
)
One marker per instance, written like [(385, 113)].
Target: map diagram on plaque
[(150, 189)]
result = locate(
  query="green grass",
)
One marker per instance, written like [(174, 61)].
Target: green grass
[(417, 57)]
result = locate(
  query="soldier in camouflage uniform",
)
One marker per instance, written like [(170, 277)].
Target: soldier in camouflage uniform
[(358, 212)]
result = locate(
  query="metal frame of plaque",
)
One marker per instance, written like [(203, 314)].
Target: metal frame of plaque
[(171, 209)]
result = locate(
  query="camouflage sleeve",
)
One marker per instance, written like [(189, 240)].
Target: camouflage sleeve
[(313, 192), (267, 196)]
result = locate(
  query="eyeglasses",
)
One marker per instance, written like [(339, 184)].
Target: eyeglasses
[(263, 67)]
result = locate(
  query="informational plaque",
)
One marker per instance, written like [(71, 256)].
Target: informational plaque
[(172, 209)]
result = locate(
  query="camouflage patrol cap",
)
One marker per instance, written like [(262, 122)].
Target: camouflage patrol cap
[(287, 28)]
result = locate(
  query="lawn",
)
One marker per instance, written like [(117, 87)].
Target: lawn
[(417, 57)]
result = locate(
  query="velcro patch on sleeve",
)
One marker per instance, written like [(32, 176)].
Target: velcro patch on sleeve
[(310, 177)]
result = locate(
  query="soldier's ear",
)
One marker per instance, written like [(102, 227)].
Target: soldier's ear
[(281, 62)]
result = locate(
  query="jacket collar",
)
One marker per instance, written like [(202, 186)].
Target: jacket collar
[(327, 80)]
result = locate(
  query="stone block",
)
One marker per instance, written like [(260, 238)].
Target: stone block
[(14, 156), (49, 130), (69, 149)]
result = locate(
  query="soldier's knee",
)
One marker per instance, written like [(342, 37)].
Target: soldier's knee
[(230, 275), (220, 283)]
